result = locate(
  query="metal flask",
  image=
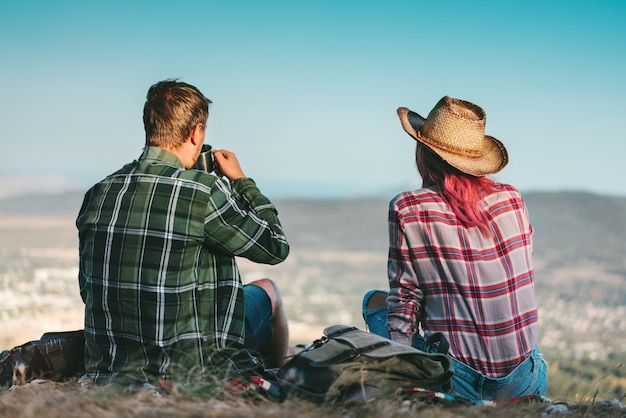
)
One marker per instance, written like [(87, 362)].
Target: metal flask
[(205, 159)]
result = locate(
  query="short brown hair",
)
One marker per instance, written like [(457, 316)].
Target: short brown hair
[(171, 111)]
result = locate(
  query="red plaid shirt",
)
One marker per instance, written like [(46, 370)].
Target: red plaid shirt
[(478, 291)]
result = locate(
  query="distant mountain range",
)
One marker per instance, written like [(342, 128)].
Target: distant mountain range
[(27, 184), (576, 228), (571, 228)]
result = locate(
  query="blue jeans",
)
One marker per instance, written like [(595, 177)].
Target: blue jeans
[(530, 377), (258, 311)]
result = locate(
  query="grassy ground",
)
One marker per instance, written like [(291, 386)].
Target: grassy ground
[(47, 399)]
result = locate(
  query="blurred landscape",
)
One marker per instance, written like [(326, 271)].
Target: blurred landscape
[(338, 251)]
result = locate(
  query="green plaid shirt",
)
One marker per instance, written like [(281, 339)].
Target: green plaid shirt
[(162, 291)]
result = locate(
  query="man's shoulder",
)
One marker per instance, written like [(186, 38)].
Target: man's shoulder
[(199, 179), (135, 171)]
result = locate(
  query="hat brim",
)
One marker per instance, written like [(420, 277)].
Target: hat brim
[(493, 159)]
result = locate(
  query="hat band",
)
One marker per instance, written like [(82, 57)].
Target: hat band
[(473, 153)]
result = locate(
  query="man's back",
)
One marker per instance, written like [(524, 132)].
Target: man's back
[(157, 271)]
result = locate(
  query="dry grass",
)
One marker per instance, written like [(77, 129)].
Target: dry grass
[(64, 400), (70, 400)]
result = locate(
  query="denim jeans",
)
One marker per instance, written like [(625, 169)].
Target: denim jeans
[(258, 311), (530, 377)]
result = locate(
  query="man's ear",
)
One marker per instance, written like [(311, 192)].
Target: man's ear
[(196, 134)]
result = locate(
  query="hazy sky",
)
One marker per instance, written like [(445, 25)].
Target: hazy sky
[(305, 92)]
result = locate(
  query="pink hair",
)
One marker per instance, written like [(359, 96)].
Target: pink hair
[(463, 192)]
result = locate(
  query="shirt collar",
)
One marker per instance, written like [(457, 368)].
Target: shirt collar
[(159, 154)]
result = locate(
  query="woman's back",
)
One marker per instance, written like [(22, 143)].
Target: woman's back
[(475, 288), (460, 259)]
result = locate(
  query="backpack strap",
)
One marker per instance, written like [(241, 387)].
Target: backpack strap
[(348, 354), (341, 331), (442, 348), (55, 357), (437, 338)]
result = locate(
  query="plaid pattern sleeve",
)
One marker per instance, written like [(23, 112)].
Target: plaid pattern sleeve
[(157, 269), (478, 291), (245, 224)]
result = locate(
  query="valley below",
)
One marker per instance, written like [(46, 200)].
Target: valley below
[(336, 256)]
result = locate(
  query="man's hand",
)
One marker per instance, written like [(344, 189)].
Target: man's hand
[(226, 164)]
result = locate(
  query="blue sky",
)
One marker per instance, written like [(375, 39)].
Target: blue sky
[(305, 92)]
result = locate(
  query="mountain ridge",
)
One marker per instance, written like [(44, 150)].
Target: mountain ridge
[(571, 228)]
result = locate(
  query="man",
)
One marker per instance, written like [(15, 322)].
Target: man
[(158, 239)]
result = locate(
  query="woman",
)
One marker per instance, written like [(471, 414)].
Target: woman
[(460, 259)]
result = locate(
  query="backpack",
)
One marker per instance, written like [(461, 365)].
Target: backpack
[(55, 356), (351, 365)]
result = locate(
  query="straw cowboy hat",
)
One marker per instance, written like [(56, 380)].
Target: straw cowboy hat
[(455, 130)]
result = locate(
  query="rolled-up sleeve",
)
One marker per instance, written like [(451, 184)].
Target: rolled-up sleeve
[(405, 295), (243, 222)]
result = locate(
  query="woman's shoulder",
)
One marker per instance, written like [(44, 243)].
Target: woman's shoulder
[(416, 197), (507, 190), (417, 193), (504, 195)]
